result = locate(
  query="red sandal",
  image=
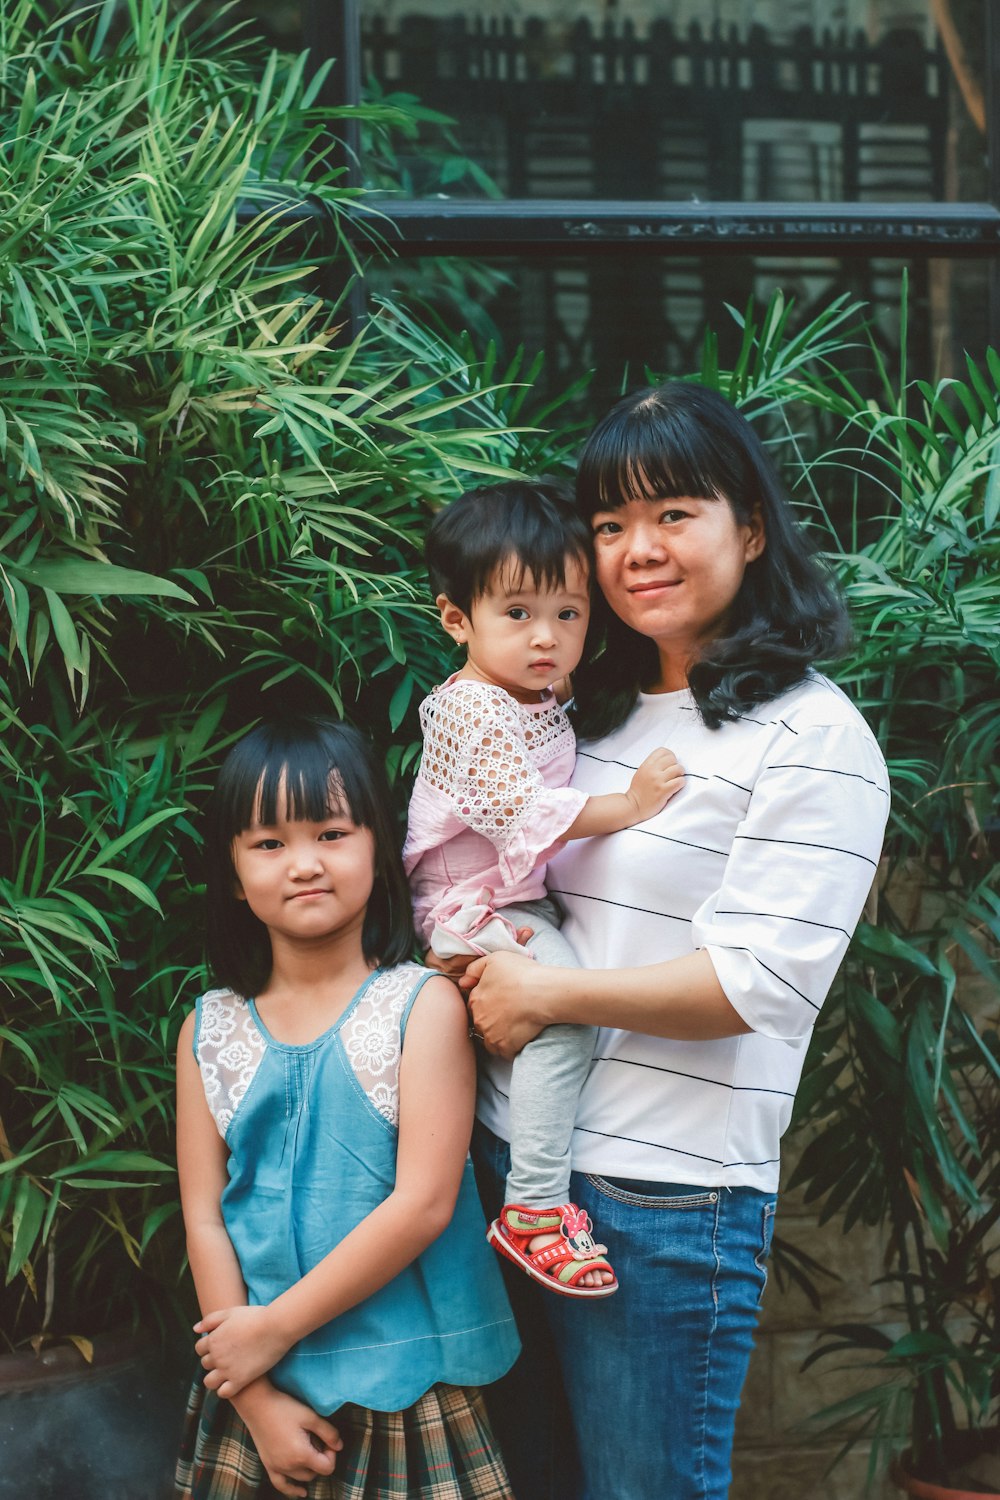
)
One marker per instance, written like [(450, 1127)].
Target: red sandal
[(562, 1265)]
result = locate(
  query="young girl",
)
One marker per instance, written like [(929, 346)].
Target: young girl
[(509, 565), (325, 1096)]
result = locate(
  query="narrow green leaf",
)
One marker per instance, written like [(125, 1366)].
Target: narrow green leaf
[(78, 576)]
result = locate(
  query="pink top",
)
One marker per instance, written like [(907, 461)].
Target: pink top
[(490, 804)]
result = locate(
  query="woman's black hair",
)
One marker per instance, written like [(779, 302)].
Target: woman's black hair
[(682, 439), (312, 766), (531, 523)]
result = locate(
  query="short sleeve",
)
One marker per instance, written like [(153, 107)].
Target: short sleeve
[(802, 864), (476, 752)]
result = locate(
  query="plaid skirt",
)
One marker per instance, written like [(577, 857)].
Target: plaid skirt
[(441, 1448)]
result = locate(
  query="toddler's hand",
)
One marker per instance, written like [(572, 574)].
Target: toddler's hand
[(236, 1345), (659, 778)]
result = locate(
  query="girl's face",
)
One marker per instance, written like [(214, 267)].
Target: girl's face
[(306, 881), (671, 569), (521, 637)]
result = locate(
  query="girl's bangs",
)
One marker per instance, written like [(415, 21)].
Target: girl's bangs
[(299, 780), (295, 792)]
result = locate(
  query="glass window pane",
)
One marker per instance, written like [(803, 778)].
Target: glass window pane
[(774, 100)]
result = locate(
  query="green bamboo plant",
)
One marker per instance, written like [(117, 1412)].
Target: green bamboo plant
[(898, 1102), (212, 504)]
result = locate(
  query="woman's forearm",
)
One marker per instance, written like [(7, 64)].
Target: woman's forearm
[(514, 998), (680, 998)]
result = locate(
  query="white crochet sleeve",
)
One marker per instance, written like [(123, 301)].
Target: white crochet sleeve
[(372, 1039), (229, 1048), (476, 753)]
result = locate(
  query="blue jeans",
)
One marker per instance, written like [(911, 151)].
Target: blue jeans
[(635, 1395)]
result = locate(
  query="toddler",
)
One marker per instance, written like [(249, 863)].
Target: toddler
[(510, 566)]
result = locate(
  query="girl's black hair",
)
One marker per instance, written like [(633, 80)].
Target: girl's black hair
[(530, 522), (682, 439), (314, 765)]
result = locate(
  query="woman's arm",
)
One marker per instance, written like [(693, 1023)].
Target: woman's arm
[(513, 998), (294, 1443), (436, 1099), (766, 943)]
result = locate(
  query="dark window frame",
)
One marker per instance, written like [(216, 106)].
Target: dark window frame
[(518, 226)]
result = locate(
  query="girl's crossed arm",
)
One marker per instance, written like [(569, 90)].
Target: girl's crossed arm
[(437, 1077), (294, 1443)]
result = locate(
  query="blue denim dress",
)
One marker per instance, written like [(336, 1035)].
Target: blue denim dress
[(312, 1132)]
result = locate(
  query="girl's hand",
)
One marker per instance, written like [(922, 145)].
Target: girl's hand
[(295, 1445), (237, 1345), (507, 1000)]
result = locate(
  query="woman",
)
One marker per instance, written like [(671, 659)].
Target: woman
[(708, 941)]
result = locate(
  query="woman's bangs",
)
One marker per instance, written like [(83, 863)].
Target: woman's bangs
[(651, 461)]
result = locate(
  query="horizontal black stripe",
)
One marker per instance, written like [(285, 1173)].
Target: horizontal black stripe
[(650, 834), (754, 838), (635, 1140), (734, 1088), (624, 905), (738, 785), (788, 765), (780, 916), (769, 1161), (604, 760), (739, 948), (688, 708), (494, 1086), (678, 1150)]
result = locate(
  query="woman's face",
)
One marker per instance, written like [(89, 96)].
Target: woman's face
[(671, 569)]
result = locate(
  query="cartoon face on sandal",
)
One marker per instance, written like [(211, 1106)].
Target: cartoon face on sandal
[(577, 1229)]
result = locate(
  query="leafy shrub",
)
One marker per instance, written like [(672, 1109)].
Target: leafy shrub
[(213, 500)]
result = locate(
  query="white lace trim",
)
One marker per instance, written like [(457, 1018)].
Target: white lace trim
[(483, 751), (230, 1049), (372, 1040)]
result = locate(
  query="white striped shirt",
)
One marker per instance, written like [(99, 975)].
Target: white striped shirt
[(765, 859)]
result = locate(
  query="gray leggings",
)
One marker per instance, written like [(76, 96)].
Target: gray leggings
[(546, 1079)]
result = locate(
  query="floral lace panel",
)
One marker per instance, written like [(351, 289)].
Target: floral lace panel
[(483, 751), (229, 1050), (372, 1041)]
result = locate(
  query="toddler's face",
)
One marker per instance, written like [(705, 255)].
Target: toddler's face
[(521, 637)]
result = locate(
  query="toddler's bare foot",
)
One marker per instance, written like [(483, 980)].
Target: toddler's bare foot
[(592, 1278)]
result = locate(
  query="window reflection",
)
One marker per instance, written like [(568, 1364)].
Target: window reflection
[(855, 101)]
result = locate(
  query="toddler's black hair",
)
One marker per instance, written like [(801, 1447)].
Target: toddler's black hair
[(531, 523), (314, 765)]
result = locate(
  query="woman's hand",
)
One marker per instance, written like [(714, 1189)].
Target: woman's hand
[(507, 1000), (237, 1345)]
